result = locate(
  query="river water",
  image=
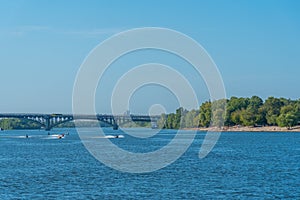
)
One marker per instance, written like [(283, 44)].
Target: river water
[(241, 166)]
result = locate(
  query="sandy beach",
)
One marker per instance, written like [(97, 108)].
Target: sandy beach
[(249, 129)]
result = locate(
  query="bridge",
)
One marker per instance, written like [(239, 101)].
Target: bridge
[(51, 120)]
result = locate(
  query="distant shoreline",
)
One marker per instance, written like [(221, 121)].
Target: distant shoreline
[(248, 129)]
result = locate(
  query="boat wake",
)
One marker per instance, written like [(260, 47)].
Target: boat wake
[(110, 136)]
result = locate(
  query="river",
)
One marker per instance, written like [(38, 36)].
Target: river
[(241, 166)]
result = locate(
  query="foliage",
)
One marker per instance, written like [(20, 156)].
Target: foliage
[(218, 108), (271, 109), (173, 121), (288, 116), (8, 124), (205, 114), (191, 119), (236, 111)]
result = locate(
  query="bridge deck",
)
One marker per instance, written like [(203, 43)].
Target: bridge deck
[(51, 120)]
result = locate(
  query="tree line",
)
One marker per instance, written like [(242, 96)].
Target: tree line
[(236, 111), (225, 112), (7, 124)]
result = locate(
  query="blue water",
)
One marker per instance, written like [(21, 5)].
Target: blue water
[(241, 166)]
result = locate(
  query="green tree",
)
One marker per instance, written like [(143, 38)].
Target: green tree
[(287, 120), (219, 112), (253, 114), (161, 123), (179, 115), (247, 117), (255, 103), (271, 109), (288, 115), (297, 110), (170, 121), (205, 114), (218, 117), (234, 106), (236, 117), (191, 119)]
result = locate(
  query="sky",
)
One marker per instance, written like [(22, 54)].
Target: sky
[(255, 45)]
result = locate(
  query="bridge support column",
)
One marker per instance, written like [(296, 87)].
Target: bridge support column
[(115, 124), (48, 127)]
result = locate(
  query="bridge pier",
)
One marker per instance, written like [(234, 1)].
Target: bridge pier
[(47, 127), (115, 127), (115, 124)]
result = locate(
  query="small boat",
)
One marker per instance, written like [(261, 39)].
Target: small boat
[(61, 136)]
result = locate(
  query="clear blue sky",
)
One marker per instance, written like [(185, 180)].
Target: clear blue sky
[(255, 44)]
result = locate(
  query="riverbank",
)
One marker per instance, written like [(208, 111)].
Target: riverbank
[(248, 129)]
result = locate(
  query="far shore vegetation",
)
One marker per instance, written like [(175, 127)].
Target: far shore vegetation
[(10, 124), (239, 111)]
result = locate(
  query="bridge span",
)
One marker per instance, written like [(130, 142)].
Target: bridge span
[(51, 120)]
